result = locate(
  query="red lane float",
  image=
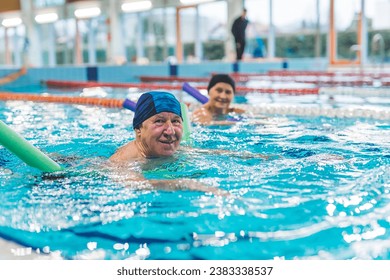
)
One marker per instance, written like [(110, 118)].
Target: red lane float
[(151, 79), (74, 84), (239, 89), (324, 79), (326, 73)]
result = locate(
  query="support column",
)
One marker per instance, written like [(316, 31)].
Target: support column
[(179, 45), (198, 41), (332, 35), (78, 47), (234, 10), (115, 44), (16, 48), (140, 36), (91, 42), (34, 50), (318, 30), (363, 31), (8, 56), (271, 33), (52, 45)]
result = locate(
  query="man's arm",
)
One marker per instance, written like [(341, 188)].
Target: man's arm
[(242, 154), (127, 175)]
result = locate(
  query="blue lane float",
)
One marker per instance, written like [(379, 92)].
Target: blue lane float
[(130, 105), (195, 93), (19, 146)]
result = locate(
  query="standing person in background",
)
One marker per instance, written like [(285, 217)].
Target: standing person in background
[(238, 31)]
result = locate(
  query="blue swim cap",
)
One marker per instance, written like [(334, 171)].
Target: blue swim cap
[(154, 102)]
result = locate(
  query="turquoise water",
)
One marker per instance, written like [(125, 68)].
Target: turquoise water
[(322, 194)]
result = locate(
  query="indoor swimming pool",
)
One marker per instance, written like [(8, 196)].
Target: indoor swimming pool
[(321, 193)]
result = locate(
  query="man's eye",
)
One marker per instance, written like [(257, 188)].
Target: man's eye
[(159, 121)]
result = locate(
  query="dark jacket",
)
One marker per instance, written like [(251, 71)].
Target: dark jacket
[(239, 27)]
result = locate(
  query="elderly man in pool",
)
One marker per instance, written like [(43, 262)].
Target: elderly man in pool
[(158, 126), (216, 111)]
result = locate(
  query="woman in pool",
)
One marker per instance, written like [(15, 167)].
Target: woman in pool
[(221, 91)]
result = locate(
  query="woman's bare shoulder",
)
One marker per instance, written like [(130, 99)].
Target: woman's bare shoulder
[(201, 115)]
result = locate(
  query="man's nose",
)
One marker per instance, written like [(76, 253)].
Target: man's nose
[(169, 128)]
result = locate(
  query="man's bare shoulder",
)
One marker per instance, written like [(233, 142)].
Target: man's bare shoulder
[(128, 152)]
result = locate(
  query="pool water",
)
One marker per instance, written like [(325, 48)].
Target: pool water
[(322, 194)]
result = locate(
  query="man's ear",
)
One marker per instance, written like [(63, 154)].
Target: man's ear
[(137, 131)]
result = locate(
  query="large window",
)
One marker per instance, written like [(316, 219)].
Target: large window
[(346, 15), (65, 31), (159, 28), (149, 36), (213, 29), (13, 45), (378, 28), (300, 26), (204, 32)]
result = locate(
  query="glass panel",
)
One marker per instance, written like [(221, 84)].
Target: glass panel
[(83, 31), (65, 41), (258, 28), (150, 36), (46, 36), (93, 34), (130, 23), (156, 28), (188, 32), (101, 41), (47, 3)]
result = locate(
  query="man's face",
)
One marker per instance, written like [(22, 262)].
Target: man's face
[(161, 134), (221, 95)]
